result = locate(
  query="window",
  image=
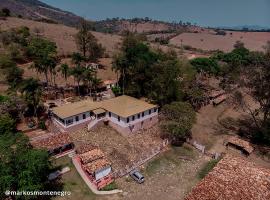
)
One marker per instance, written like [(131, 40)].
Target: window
[(133, 118), (155, 109), (139, 116), (84, 116), (150, 112), (143, 114), (118, 118), (77, 118), (128, 120), (69, 121), (110, 114)]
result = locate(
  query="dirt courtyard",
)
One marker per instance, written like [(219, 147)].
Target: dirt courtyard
[(120, 150)]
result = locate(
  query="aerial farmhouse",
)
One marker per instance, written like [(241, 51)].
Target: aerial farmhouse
[(124, 113)]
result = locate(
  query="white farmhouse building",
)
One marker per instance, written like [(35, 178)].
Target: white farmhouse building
[(125, 114)]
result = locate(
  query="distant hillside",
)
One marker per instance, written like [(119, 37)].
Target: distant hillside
[(61, 34), (141, 25), (36, 10)]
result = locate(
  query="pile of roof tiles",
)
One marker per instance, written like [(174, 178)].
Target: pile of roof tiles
[(53, 142), (85, 148), (241, 143), (96, 165), (92, 158)]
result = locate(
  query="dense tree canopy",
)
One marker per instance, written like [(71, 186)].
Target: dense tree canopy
[(146, 72), (43, 52), (207, 65), (21, 166), (178, 118)]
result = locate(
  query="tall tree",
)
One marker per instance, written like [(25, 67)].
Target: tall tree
[(43, 52), (87, 43), (31, 91), (78, 73)]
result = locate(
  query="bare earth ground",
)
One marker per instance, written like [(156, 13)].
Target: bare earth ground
[(252, 40), (121, 151), (62, 35), (208, 130)]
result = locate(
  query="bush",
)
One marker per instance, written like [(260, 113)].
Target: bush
[(116, 90), (42, 125), (6, 12), (220, 32), (207, 168)]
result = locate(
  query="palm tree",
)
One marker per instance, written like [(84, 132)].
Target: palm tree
[(88, 78), (96, 82), (64, 69), (120, 66), (78, 74)]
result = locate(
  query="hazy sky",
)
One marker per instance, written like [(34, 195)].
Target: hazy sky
[(202, 12)]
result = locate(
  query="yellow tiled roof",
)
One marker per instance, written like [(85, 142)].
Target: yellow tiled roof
[(123, 106)]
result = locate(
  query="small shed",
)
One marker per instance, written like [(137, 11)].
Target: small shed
[(239, 144), (99, 168)]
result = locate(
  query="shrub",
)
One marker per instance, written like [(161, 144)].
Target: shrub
[(6, 12), (42, 125), (116, 90), (206, 64), (111, 186)]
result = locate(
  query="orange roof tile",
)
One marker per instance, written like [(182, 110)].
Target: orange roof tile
[(233, 179)]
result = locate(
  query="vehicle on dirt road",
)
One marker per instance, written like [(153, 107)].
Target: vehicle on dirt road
[(137, 176)]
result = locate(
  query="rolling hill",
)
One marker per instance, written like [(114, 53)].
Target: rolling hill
[(37, 10)]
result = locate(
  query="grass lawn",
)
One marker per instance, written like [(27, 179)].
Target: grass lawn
[(170, 175), (73, 182), (170, 158)]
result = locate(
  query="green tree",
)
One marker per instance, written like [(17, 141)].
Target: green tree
[(78, 72), (21, 167), (165, 85), (177, 121), (94, 49), (31, 91), (77, 58), (43, 52), (12, 73), (83, 37)]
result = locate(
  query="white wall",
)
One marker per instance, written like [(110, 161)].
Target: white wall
[(113, 118), (123, 121), (87, 117)]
